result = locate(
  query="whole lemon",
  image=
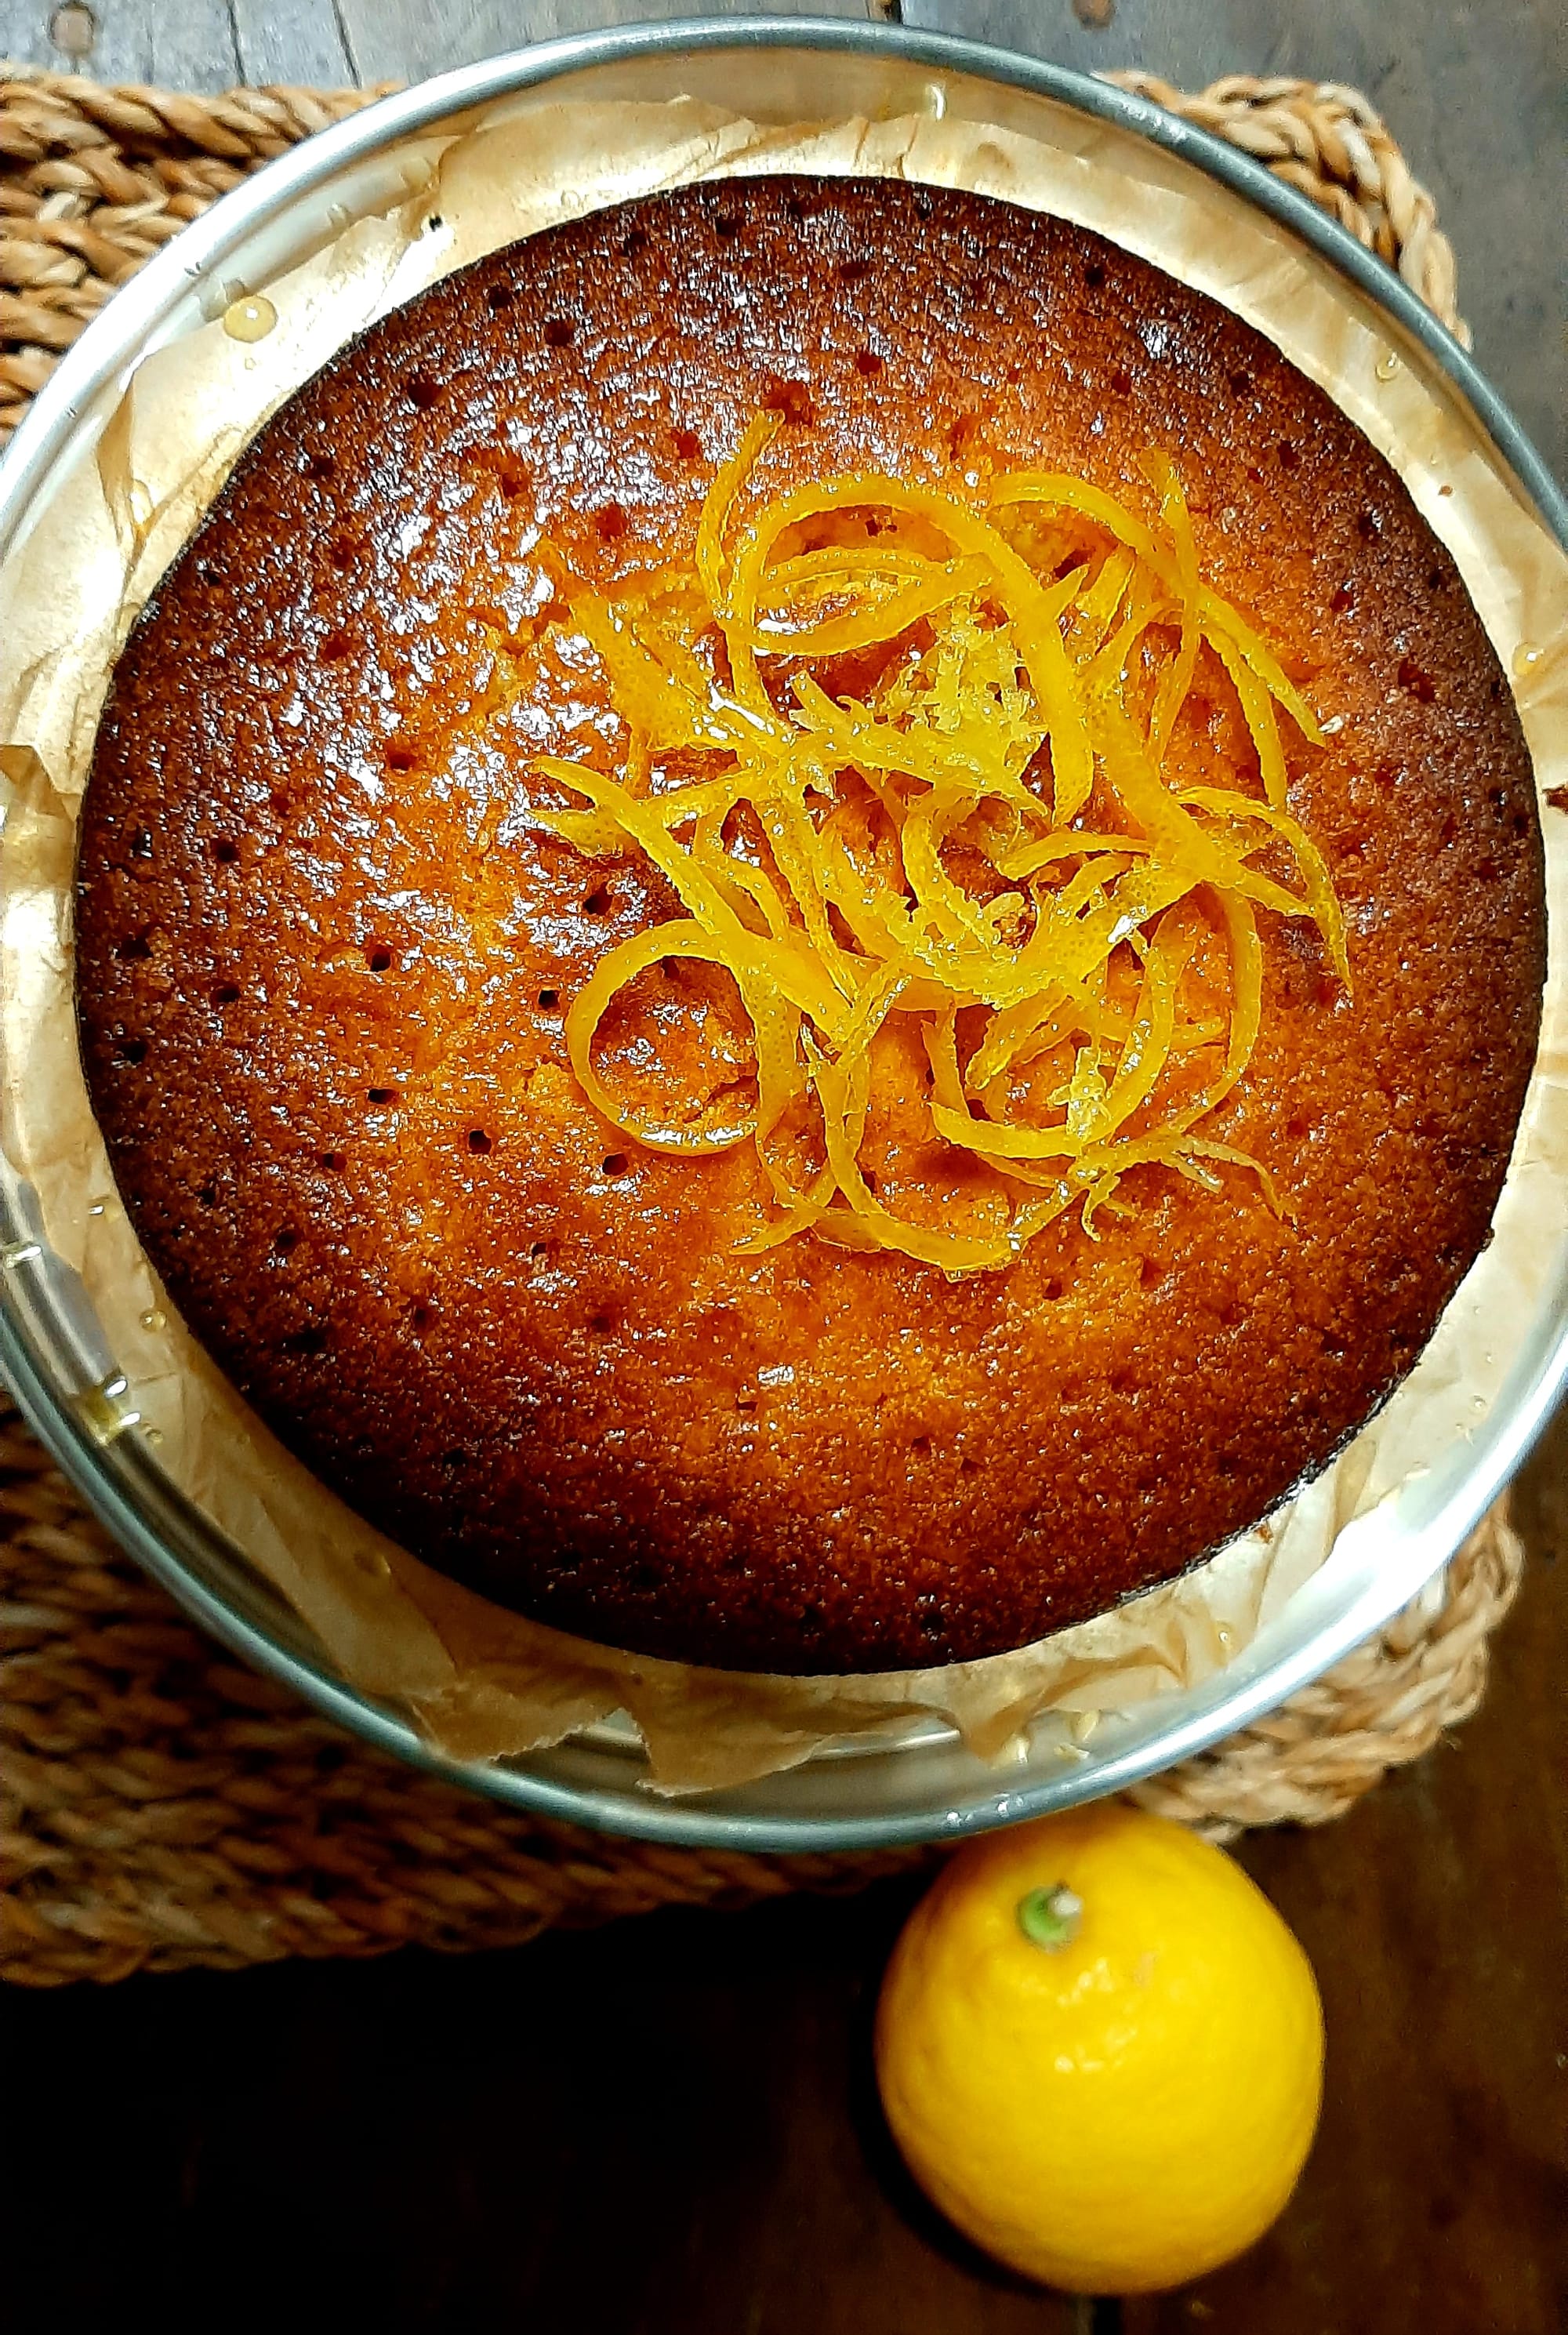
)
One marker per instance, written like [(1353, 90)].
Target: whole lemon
[(1101, 2050)]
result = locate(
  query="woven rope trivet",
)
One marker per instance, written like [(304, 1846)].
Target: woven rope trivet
[(161, 1807), (95, 180)]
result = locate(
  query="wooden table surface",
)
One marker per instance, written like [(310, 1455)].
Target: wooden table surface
[(669, 2127)]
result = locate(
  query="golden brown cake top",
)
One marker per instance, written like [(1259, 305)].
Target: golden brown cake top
[(339, 902)]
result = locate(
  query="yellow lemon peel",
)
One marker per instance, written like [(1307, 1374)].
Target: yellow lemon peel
[(913, 849)]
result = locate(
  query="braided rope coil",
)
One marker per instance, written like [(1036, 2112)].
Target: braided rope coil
[(1332, 143), (95, 180), (162, 1807), (1386, 1704)]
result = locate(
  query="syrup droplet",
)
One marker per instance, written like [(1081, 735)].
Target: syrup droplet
[(103, 1412), (936, 100), (1386, 366), (140, 501), (154, 1319), (20, 1253), (97, 1207), (153, 1434), (250, 318), (1526, 657)]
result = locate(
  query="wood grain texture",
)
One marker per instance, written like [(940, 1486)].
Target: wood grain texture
[(209, 44), (669, 2127), (666, 2128), (1437, 1918), (404, 39), (1477, 91), (182, 44), (298, 41)]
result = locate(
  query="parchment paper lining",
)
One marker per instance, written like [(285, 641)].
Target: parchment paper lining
[(479, 1683)]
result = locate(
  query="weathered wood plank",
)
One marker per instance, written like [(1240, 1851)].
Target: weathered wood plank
[(403, 39), (668, 2128), (25, 35), (686, 2138), (180, 44), (1437, 1919), (300, 42), (208, 44), (1477, 97)]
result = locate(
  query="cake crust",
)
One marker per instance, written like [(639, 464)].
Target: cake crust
[(325, 950)]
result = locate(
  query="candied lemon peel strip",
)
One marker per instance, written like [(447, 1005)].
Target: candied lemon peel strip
[(1018, 725)]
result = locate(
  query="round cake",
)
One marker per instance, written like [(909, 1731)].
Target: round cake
[(812, 927)]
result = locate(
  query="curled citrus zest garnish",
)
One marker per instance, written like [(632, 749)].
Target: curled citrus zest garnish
[(979, 837), (1176, 680), (712, 559)]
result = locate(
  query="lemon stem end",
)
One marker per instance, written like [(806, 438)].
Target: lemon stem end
[(1049, 1917)]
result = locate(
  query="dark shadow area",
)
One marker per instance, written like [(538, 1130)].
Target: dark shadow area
[(671, 2127), (667, 2125)]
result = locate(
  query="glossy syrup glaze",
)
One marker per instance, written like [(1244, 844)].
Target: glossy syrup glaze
[(325, 950)]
